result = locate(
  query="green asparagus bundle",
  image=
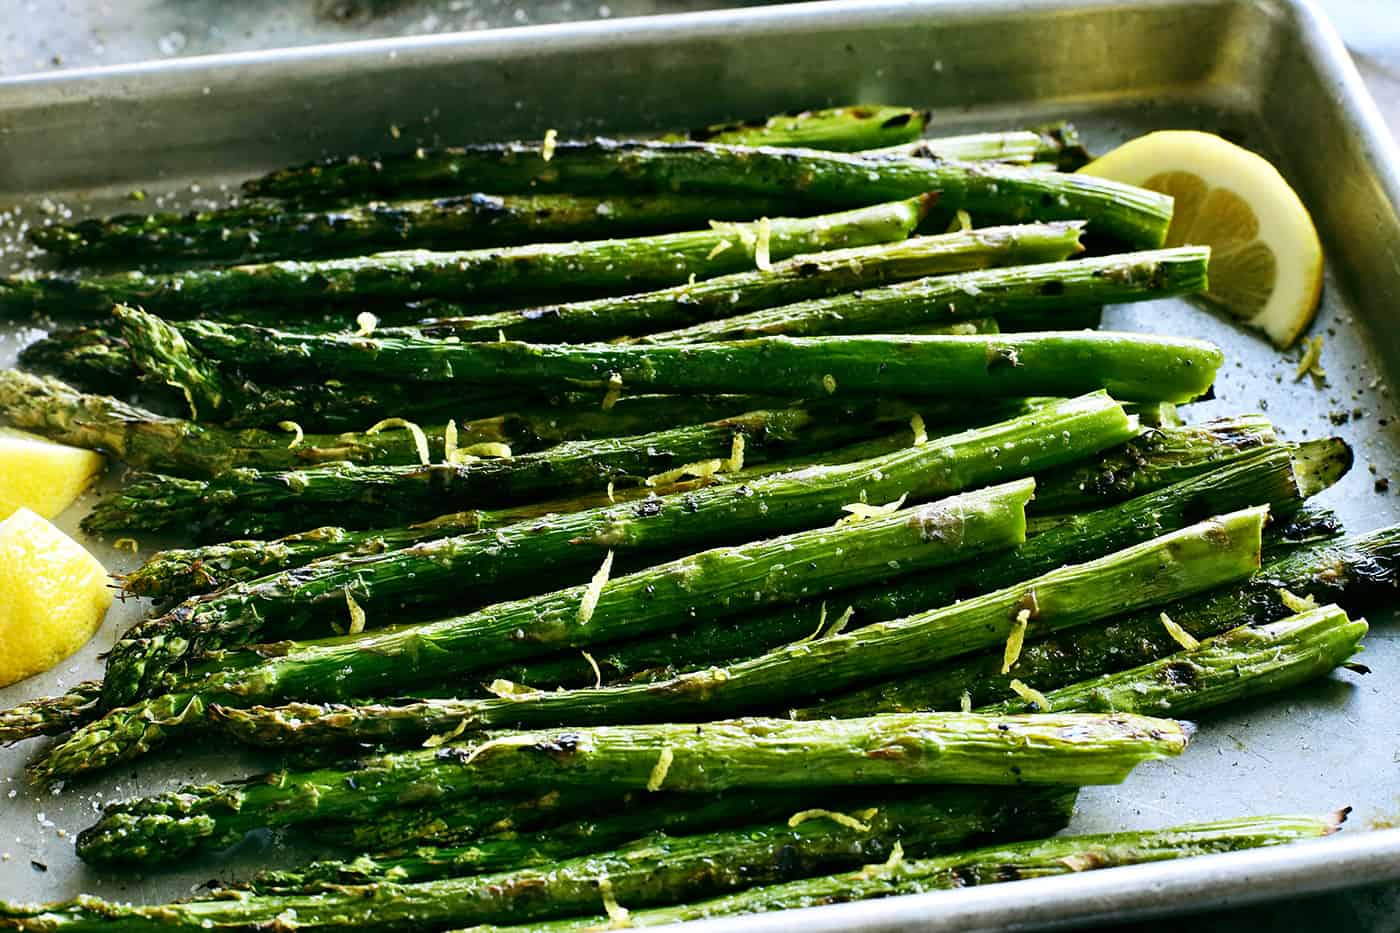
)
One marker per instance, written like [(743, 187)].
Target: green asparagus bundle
[(942, 748), (1158, 457), (1264, 477), (1133, 215), (1044, 289), (951, 817), (707, 585), (658, 869), (1048, 436), (1132, 367), (993, 865), (241, 502), (1185, 562), (1244, 662), (515, 273), (1360, 572), (796, 279)]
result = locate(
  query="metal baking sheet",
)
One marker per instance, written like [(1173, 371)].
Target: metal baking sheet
[(1269, 73)]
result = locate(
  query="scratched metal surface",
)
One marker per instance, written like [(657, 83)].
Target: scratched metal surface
[(1336, 743)]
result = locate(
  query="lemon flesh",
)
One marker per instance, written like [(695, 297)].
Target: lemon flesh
[(42, 476), (1266, 259), (53, 596)]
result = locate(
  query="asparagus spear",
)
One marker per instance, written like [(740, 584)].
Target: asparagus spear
[(50, 715), (1016, 147), (985, 190), (263, 231), (656, 869), (795, 279), (1265, 477), (992, 865), (91, 357), (941, 819), (710, 584), (1053, 434), (150, 441), (837, 129), (1244, 662), (1134, 367), (1043, 288), (1358, 572), (1184, 562), (630, 264), (247, 501), (944, 748)]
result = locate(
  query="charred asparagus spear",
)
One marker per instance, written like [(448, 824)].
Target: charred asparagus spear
[(631, 264), (710, 584), (1133, 215), (1048, 436), (241, 502), (1244, 662), (837, 129), (1180, 564), (659, 869), (952, 816), (267, 231), (150, 441), (1040, 289), (51, 715), (940, 748), (796, 279), (993, 865), (1359, 572), (1133, 367)]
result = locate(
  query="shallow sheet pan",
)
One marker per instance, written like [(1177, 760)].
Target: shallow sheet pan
[(1269, 73)]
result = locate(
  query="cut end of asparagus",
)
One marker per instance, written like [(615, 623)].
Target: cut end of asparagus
[(1318, 465)]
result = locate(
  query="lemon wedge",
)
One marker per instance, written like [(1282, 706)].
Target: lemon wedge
[(43, 476), (1266, 260), (53, 596)]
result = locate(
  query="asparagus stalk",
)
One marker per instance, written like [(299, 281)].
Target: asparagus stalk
[(1244, 662), (949, 748), (265, 231), (710, 584), (150, 441), (1133, 367), (1184, 562), (836, 129), (50, 715), (985, 190), (630, 264), (941, 820), (247, 501), (1016, 147), (91, 357), (1048, 436), (1265, 477), (992, 865), (795, 279), (1042, 289), (658, 869), (1358, 572)]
